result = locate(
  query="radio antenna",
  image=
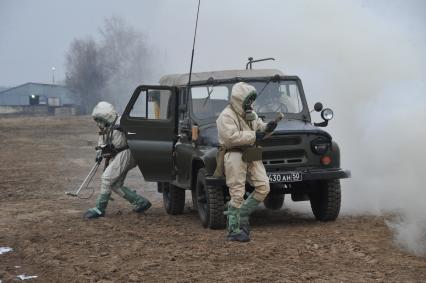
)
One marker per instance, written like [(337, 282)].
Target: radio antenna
[(193, 44)]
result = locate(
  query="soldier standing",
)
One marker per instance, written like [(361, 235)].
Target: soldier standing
[(239, 130)]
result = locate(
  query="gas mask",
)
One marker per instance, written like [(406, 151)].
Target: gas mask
[(249, 114), (101, 124)]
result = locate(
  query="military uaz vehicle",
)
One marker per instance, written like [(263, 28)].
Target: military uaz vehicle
[(172, 133)]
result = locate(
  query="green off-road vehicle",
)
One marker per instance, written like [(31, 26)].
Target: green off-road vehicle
[(172, 133)]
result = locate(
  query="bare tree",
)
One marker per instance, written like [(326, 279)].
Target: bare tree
[(125, 60), (111, 69), (84, 74)]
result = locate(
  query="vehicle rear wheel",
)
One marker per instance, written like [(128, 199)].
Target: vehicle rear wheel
[(274, 201), (210, 203), (325, 201), (173, 199)]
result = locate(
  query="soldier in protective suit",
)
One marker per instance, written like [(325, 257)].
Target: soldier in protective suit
[(239, 130), (112, 145)]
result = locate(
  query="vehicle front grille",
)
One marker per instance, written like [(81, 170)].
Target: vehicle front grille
[(284, 157), (281, 140)]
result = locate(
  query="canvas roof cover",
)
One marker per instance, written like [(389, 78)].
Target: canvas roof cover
[(182, 79)]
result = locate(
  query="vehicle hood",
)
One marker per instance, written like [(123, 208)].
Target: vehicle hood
[(208, 133), (297, 126)]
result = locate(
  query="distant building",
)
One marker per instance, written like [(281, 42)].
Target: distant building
[(38, 94), (38, 99)]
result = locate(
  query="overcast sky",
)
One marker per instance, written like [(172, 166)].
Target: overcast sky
[(35, 35)]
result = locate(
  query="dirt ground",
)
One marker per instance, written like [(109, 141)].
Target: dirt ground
[(41, 158)]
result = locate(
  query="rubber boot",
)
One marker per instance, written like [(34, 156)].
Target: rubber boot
[(249, 205), (233, 225), (139, 203), (99, 209)]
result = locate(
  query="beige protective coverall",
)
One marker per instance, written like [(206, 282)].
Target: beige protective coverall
[(114, 175), (234, 132)]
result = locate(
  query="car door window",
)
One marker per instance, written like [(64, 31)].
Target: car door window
[(152, 104)]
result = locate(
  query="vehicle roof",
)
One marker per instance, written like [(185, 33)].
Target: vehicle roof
[(182, 79)]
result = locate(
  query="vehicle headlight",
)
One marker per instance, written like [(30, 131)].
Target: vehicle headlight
[(320, 146), (327, 114)]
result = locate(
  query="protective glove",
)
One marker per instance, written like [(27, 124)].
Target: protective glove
[(259, 136), (270, 127), (98, 158)]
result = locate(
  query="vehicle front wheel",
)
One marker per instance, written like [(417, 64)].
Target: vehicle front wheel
[(274, 201), (210, 203), (173, 199), (325, 201)]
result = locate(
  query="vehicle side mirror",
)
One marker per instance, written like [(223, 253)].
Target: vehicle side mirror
[(318, 106), (182, 108)]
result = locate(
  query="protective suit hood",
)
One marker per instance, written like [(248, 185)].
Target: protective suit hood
[(240, 92), (105, 112)]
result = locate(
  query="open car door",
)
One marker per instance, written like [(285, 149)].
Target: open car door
[(149, 122)]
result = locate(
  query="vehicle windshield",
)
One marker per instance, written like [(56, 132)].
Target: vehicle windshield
[(282, 96)]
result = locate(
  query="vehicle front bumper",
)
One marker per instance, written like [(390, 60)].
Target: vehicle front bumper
[(307, 175)]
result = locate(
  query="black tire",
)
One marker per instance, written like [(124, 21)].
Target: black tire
[(325, 201), (210, 203), (173, 199), (274, 201)]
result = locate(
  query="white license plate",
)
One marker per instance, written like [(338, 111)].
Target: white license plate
[(288, 177)]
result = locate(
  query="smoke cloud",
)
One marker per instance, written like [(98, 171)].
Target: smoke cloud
[(388, 162), (372, 72)]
